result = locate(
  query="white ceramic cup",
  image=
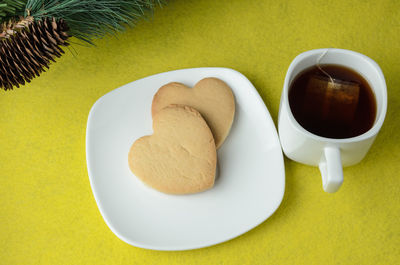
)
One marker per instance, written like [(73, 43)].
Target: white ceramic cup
[(330, 154)]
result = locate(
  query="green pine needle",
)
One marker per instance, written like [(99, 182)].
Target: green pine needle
[(92, 19), (11, 8)]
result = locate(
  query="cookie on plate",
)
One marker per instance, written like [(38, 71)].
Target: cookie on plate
[(180, 157), (212, 97)]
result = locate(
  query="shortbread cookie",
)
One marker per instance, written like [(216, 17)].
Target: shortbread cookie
[(180, 157), (210, 96)]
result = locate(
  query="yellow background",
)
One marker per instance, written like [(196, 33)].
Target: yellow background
[(47, 211)]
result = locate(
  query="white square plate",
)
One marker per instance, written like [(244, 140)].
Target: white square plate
[(248, 189)]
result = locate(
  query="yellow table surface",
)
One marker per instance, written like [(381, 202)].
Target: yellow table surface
[(47, 211)]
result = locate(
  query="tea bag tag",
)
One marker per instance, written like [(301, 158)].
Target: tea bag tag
[(331, 99)]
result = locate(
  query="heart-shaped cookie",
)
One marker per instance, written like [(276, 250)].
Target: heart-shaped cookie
[(180, 157), (212, 97)]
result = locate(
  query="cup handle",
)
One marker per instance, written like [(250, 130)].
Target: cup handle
[(331, 169)]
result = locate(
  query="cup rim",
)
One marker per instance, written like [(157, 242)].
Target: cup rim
[(379, 120)]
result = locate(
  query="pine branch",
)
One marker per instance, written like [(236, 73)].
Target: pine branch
[(92, 19), (11, 8), (31, 35)]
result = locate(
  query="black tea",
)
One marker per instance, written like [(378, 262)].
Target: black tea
[(335, 103)]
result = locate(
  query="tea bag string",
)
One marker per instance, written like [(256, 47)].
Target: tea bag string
[(319, 65)]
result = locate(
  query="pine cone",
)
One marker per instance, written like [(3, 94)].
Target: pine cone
[(25, 51)]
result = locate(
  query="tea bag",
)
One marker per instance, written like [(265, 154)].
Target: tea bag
[(329, 99)]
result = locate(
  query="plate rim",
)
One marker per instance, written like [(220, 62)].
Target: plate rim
[(192, 246)]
